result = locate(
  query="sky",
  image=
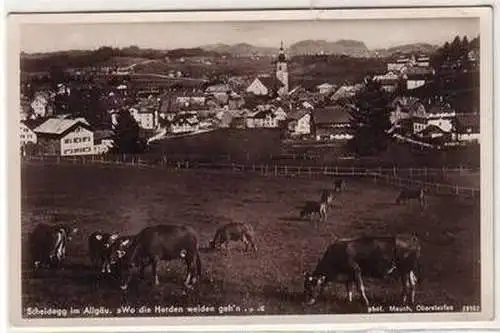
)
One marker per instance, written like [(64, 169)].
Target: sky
[(374, 33)]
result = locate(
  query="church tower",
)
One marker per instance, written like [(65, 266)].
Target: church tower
[(282, 70)]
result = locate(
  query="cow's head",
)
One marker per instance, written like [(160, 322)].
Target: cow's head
[(119, 249), (110, 241), (313, 287)]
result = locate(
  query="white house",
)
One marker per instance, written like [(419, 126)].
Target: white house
[(26, 131), (264, 86), (146, 118), (66, 137), (280, 114), (299, 123)]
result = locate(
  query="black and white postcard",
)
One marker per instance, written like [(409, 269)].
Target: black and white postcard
[(256, 167)]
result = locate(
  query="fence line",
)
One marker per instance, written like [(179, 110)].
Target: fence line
[(390, 176)]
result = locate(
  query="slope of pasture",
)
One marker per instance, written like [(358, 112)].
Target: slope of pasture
[(126, 200)]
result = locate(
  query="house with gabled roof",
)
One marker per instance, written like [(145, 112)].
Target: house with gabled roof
[(27, 130), (265, 86), (65, 137), (299, 122), (468, 127), (333, 123)]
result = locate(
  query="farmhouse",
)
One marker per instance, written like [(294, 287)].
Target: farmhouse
[(433, 132), (417, 77), (65, 137), (389, 81), (332, 123), (26, 131), (262, 119), (146, 118), (467, 127), (184, 123), (299, 123), (103, 141)]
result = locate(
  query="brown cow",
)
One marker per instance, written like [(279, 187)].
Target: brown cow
[(375, 257), (234, 232), (162, 242)]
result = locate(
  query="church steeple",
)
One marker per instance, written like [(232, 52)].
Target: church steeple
[(282, 69), (281, 55)]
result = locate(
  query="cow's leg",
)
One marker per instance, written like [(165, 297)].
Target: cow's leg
[(154, 268), (245, 241), (189, 276), (360, 285), (412, 279), (349, 287), (404, 283)]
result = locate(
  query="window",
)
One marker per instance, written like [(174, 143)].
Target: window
[(22, 136), (77, 140), (67, 140)]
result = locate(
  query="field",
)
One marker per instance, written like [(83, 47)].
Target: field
[(126, 200)]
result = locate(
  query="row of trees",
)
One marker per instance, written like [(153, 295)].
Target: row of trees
[(455, 51)]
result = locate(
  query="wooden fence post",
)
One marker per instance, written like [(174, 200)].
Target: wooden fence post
[(253, 167), (457, 190), (394, 171), (275, 170)]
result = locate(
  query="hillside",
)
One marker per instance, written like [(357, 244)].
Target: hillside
[(406, 49), (347, 47), (240, 50)]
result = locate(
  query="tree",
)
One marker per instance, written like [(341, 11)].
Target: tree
[(126, 135), (370, 120)]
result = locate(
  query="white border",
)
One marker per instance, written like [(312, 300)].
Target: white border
[(448, 325)]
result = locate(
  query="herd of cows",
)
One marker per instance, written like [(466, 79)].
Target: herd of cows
[(346, 260)]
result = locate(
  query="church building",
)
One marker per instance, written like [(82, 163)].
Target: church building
[(272, 85)]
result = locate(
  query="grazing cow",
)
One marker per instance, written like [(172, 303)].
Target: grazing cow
[(100, 250), (48, 244), (313, 208), (234, 232), (339, 185), (162, 242), (375, 257), (407, 194)]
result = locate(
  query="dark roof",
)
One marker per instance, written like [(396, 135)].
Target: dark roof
[(431, 129), (261, 114), (296, 115), (33, 123), (271, 82), (332, 115)]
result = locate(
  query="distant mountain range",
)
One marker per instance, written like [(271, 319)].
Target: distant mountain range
[(351, 48)]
